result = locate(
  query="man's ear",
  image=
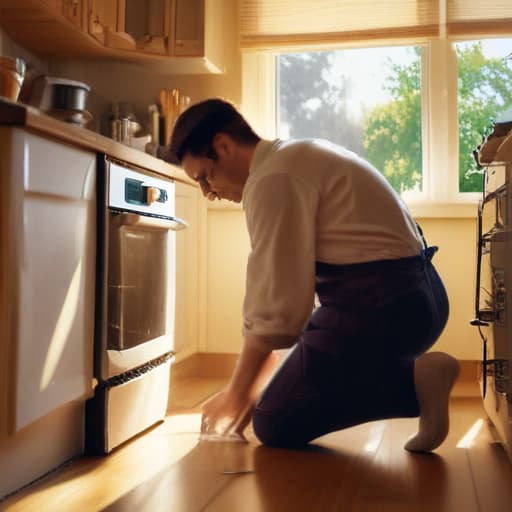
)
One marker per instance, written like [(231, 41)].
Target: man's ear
[(224, 145)]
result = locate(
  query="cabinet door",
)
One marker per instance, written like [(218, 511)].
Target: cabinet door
[(72, 9), (188, 318), (103, 17), (188, 25), (147, 22), (55, 307)]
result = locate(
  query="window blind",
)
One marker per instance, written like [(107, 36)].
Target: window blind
[(275, 24), (270, 24), (479, 17)]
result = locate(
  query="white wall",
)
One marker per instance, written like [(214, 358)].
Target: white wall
[(228, 247), (8, 48), (227, 239)]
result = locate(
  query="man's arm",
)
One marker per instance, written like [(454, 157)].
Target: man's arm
[(251, 372), (229, 411)]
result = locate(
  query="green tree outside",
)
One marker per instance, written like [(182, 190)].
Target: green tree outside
[(393, 131), (389, 136), (392, 134), (484, 92)]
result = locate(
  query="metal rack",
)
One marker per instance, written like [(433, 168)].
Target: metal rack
[(493, 304)]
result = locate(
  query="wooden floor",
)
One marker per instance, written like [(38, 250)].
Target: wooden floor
[(360, 469)]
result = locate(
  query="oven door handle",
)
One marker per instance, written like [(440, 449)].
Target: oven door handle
[(151, 223)]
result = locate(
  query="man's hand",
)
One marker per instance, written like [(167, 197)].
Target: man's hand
[(226, 415)]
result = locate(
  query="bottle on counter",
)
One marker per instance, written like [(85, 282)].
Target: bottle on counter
[(154, 130)]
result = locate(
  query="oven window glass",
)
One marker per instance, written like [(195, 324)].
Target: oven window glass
[(138, 285)]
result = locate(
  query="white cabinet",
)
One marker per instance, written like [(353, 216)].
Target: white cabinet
[(189, 271), (48, 258)]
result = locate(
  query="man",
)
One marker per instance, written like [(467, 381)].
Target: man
[(321, 220)]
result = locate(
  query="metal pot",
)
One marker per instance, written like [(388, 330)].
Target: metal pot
[(50, 93)]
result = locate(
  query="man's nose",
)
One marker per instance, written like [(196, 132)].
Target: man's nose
[(205, 189)]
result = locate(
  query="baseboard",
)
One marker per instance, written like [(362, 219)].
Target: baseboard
[(469, 370), (211, 364), (204, 364)]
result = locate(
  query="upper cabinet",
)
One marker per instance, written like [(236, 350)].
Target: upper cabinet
[(186, 34)]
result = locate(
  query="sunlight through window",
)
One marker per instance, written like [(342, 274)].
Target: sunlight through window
[(469, 437), (367, 100)]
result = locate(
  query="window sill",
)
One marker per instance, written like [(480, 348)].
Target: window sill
[(419, 209), (454, 210)]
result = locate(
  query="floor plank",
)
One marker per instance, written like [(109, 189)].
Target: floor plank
[(360, 469)]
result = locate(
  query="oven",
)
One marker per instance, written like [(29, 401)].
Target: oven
[(493, 311), (135, 302)]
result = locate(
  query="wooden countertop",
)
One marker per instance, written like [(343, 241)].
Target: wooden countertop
[(18, 114)]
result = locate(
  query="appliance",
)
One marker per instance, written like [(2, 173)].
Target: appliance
[(61, 98), (134, 325), (493, 304)]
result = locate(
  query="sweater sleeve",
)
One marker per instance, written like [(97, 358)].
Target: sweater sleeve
[(280, 214)]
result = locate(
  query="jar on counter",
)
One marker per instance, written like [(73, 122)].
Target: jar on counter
[(12, 74), (123, 123)]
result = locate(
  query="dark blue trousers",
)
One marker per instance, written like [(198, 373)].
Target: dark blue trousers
[(354, 362)]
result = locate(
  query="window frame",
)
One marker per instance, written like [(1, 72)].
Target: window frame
[(440, 196)]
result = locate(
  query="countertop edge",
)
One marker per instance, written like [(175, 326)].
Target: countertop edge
[(18, 114)]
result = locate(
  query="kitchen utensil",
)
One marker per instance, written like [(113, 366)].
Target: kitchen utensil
[(52, 93), (164, 103), (173, 103), (12, 74)]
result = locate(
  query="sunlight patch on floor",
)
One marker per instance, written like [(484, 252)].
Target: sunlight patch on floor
[(467, 440), (374, 437)]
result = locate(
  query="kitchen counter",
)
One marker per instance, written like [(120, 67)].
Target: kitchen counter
[(18, 114)]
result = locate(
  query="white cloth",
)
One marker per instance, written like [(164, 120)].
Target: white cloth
[(308, 201)]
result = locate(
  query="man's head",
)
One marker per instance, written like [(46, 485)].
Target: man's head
[(214, 145)]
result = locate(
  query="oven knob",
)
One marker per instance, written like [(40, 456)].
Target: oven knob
[(152, 195)]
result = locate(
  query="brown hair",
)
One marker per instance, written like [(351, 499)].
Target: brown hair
[(196, 127)]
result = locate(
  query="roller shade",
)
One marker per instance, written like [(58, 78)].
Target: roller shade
[(274, 24), (270, 24), (479, 16)]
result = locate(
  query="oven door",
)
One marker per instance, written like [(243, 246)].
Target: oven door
[(140, 284)]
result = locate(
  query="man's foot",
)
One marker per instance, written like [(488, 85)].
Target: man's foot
[(434, 376)]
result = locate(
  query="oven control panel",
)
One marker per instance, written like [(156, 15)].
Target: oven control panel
[(139, 192), (130, 190)]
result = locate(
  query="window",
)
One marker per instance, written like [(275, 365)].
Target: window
[(371, 101), (447, 183), (367, 100), (484, 93)]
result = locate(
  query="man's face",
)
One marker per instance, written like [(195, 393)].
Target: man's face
[(218, 179)]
